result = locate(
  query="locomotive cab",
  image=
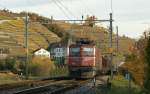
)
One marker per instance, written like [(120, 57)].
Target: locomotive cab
[(83, 60)]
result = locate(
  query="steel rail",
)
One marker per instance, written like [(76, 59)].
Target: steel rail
[(54, 88)]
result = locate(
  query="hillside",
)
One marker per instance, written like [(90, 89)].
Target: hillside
[(12, 36), (75, 31), (12, 33), (100, 35), (125, 44), (7, 15), (81, 31)]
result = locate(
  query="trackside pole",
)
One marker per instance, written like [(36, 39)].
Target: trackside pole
[(26, 46), (111, 46)]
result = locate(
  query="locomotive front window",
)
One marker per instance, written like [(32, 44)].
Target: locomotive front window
[(75, 51), (88, 51)]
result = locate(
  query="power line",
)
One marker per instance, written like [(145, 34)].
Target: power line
[(61, 9), (66, 8)]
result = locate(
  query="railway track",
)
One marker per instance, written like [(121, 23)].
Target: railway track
[(58, 87), (50, 86), (11, 88)]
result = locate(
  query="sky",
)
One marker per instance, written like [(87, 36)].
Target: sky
[(131, 16)]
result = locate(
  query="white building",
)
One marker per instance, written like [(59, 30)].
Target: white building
[(42, 52), (59, 52), (4, 52)]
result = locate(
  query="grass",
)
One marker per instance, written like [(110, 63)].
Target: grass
[(58, 71), (119, 86), (6, 78)]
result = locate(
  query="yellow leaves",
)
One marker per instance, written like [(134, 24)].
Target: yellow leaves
[(41, 66), (136, 66), (111, 50)]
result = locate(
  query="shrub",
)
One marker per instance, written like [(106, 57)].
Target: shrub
[(2, 65), (8, 64), (41, 66)]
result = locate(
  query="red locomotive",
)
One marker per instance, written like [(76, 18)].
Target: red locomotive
[(86, 61)]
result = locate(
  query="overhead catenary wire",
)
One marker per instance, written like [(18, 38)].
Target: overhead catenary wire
[(66, 15), (66, 8)]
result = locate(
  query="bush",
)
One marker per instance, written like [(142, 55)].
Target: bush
[(41, 66), (2, 65), (8, 64)]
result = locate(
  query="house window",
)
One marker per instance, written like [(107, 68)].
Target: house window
[(39, 52)]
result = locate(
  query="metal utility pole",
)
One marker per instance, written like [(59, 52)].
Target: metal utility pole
[(117, 49), (117, 39), (111, 46), (26, 45), (51, 19)]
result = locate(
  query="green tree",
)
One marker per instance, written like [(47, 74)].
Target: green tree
[(147, 76), (10, 64)]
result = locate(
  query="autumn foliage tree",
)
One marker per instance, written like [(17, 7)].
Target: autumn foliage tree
[(147, 76), (135, 61)]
